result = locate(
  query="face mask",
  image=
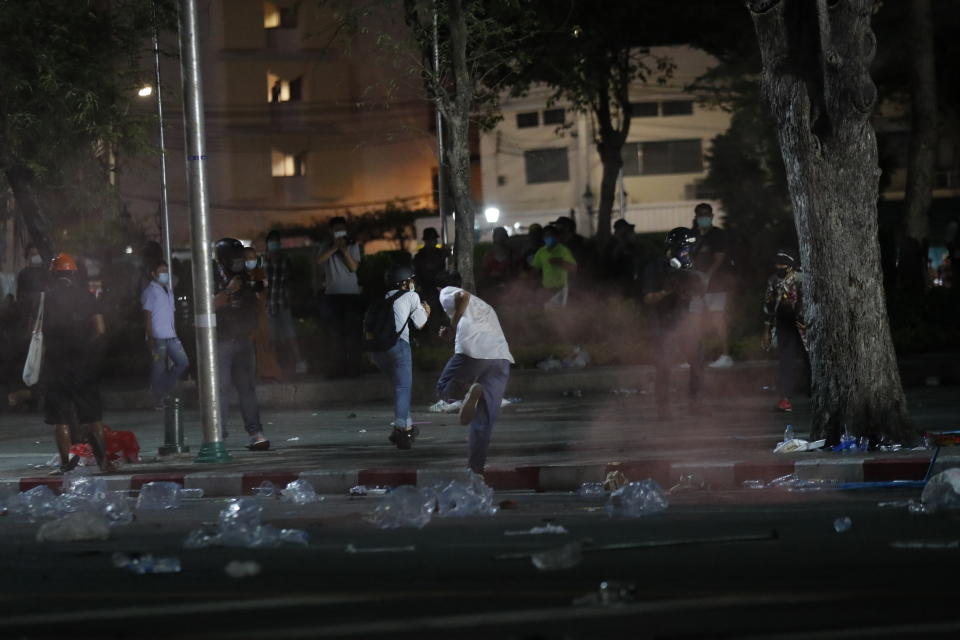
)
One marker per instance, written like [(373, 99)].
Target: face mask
[(339, 234), (36, 260), (704, 222), (681, 258), (250, 265), (163, 278), (550, 242), (273, 246)]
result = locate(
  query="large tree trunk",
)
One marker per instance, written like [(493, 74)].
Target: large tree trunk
[(816, 58), (21, 184), (612, 161), (912, 267)]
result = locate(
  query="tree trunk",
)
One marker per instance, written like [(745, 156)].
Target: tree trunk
[(816, 58), (923, 149), (458, 122), (612, 162), (21, 184)]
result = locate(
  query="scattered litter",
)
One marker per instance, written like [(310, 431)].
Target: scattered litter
[(942, 491), (300, 492), (798, 444), (565, 557), (890, 448), (591, 489), (620, 391), (615, 480), (926, 544), (158, 496), (294, 439), (239, 525), (895, 503), (144, 563), (578, 358), (38, 503), (378, 491), (352, 549), (266, 490), (73, 527), (688, 482), (920, 509), (550, 364), (442, 406), (792, 482), (842, 525), (610, 592), (788, 433), (361, 431), (405, 506), (242, 569), (850, 444), (191, 493), (508, 401), (358, 490), (539, 531), (637, 499), (573, 393), (471, 498), (754, 484)]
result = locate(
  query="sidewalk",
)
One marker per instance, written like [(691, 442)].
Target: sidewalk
[(553, 440)]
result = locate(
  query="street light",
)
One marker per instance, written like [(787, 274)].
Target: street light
[(145, 91), (492, 214)]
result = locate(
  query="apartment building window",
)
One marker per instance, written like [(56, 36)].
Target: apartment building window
[(546, 165), (644, 109), (283, 90), (630, 153), (275, 17), (677, 107), (671, 156), (288, 165), (528, 119), (554, 116)]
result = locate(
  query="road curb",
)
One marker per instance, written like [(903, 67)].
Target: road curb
[(715, 474)]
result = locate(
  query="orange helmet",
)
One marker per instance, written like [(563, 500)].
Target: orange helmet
[(63, 262)]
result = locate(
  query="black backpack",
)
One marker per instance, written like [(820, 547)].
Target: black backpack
[(379, 328)]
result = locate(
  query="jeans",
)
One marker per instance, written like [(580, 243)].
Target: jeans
[(236, 362), (397, 362), (163, 378), (460, 372)]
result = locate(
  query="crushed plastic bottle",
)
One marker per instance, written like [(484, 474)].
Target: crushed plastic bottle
[(942, 491), (146, 563), (565, 557), (74, 527), (358, 490), (688, 482), (788, 433), (547, 529), (471, 498), (266, 490), (637, 499), (591, 490), (116, 508), (550, 363), (842, 525), (192, 493), (159, 496), (405, 506), (239, 525), (242, 569), (300, 492), (754, 484), (38, 503)]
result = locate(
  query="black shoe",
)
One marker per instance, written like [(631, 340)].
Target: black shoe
[(403, 438)]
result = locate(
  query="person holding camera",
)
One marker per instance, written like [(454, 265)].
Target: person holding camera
[(236, 308), (340, 259), (670, 285)]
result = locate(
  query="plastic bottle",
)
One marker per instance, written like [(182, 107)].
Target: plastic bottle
[(788, 433)]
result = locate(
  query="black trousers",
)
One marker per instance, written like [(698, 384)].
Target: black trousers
[(792, 357), (676, 345)]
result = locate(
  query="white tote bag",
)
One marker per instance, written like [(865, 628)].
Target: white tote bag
[(31, 368)]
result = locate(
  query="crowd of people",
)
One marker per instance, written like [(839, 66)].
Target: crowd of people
[(685, 287)]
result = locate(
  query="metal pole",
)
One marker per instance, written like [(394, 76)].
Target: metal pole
[(205, 319), (441, 191), (620, 193), (164, 207)]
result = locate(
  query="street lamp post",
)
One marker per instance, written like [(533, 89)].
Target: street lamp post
[(588, 201), (164, 206)]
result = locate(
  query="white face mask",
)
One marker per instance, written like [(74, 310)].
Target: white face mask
[(163, 278), (340, 234), (250, 265), (36, 260)]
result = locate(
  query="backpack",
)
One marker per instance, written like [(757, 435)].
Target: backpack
[(379, 328)]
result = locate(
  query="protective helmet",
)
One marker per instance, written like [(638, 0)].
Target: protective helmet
[(63, 262), (787, 257), (229, 252), (397, 274), (680, 244)]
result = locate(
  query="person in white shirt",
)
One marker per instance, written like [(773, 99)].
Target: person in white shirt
[(158, 315), (480, 364), (397, 361)]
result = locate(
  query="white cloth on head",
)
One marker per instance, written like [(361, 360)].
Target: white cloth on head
[(479, 334), (407, 306)]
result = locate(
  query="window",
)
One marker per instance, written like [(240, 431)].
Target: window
[(677, 107), (546, 165), (554, 116), (278, 17), (281, 90), (644, 109), (528, 119), (288, 165), (671, 156), (630, 152)]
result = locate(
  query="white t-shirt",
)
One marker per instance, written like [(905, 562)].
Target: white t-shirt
[(407, 306), (340, 280), (479, 334)]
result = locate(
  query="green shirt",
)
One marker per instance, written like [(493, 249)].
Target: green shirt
[(554, 276)]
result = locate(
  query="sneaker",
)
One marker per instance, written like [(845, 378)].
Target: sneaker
[(258, 443), (403, 438), (469, 408), (784, 405), (723, 362)]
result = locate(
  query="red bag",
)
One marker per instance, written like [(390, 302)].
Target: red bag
[(121, 445)]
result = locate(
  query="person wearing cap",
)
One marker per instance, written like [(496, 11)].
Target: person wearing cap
[(73, 330), (397, 361), (622, 257), (340, 258), (236, 306), (710, 257), (480, 366), (555, 263), (785, 329), (429, 262), (157, 302)]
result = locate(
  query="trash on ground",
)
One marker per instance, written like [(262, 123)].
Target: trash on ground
[(158, 496), (442, 406), (565, 557), (798, 444), (358, 490), (688, 482), (76, 526), (615, 480), (577, 359), (144, 563), (622, 391), (294, 439), (242, 569), (842, 525), (354, 549), (192, 493), (550, 364), (38, 503), (239, 525), (547, 529), (926, 544), (610, 592), (591, 489), (361, 430), (942, 491), (637, 499), (851, 444), (895, 503), (122, 446), (266, 490), (790, 482), (471, 498), (300, 492), (405, 506), (511, 400)]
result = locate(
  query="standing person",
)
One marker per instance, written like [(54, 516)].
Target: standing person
[(400, 308), (670, 284), (157, 302), (340, 258), (622, 258), (429, 262), (783, 320), (500, 264), (555, 263), (236, 308), (534, 242), (283, 333), (480, 366), (710, 258), (73, 330)]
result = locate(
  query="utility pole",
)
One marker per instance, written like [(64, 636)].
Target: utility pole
[(205, 319), (164, 205)]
